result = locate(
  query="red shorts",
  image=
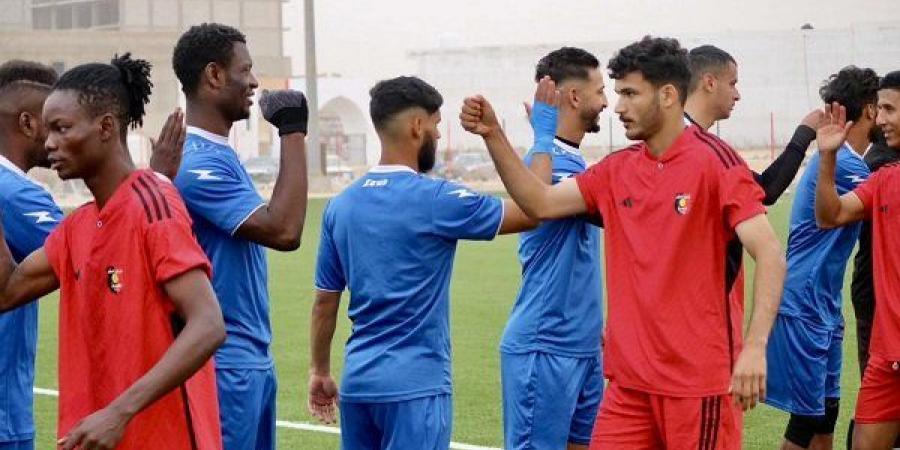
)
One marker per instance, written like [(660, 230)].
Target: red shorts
[(879, 393), (632, 420)]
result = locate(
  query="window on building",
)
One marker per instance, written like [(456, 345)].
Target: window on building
[(74, 14)]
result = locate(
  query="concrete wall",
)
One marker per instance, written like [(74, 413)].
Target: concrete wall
[(779, 74), (149, 29)]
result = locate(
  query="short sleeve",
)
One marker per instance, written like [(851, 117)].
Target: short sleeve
[(29, 217), (850, 175), (593, 184), (213, 189), (460, 213), (866, 192), (55, 249), (329, 272), (740, 195), (171, 245)]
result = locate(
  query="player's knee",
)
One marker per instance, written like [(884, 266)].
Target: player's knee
[(801, 429)]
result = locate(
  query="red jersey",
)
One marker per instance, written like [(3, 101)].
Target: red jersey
[(668, 221), (880, 196), (116, 321)]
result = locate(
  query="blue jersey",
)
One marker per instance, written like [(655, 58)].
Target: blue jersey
[(220, 196), (558, 309), (29, 215), (817, 258), (390, 238)]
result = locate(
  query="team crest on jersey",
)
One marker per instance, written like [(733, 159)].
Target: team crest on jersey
[(114, 279), (682, 203)]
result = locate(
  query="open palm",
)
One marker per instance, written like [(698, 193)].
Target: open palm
[(833, 132)]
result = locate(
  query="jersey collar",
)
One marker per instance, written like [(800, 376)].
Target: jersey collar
[(9, 165), (562, 145), (677, 147), (209, 136), (391, 168)]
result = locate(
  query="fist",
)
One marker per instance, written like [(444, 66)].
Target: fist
[(814, 119), (286, 109), (478, 117)]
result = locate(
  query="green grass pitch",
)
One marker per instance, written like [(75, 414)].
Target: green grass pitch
[(485, 281)]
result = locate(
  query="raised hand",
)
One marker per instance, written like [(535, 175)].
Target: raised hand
[(323, 397), (478, 117), (167, 148), (814, 119), (545, 113), (286, 109), (833, 132)]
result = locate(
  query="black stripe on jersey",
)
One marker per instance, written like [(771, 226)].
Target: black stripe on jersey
[(713, 148), (717, 423), (724, 148), (149, 192), (162, 198), (727, 148), (700, 445), (710, 423), (143, 202)]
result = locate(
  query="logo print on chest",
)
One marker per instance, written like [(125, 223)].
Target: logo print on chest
[(114, 279), (682, 203)]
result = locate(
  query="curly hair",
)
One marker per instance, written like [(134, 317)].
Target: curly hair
[(200, 45), (566, 63), (660, 60), (121, 87), (391, 97), (853, 87)]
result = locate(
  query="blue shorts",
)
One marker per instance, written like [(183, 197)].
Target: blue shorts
[(549, 400), (423, 423), (247, 408), (804, 366), (18, 445)]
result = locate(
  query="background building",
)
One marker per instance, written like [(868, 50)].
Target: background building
[(65, 33)]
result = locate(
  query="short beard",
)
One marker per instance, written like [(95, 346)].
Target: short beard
[(427, 154)]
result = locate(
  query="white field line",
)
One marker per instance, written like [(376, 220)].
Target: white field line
[(303, 426)]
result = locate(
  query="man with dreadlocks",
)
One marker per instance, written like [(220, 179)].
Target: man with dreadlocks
[(138, 319)]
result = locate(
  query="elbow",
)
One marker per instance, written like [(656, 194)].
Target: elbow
[(824, 222), (288, 240), (217, 334)]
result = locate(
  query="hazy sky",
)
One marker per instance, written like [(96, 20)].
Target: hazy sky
[(371, 38)]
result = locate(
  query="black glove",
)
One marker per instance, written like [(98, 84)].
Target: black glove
[(286, 109)]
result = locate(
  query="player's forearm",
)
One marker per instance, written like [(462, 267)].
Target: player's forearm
[(523, 186), (768, 280), (203, 333), (828, 204), (779, 175), (321, 333), (287, 207)]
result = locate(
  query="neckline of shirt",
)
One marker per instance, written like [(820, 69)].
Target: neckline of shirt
[(391, 168), (850, 149), (565, 146), (5, 162), (208, 135)]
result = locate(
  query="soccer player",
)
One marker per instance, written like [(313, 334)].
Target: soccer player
[(28, 216), (862, 286), (550, 352), (804, 350), (877, 406), (670, 204), (712, 95), (138, 317), (390, 238), (233, 224)]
